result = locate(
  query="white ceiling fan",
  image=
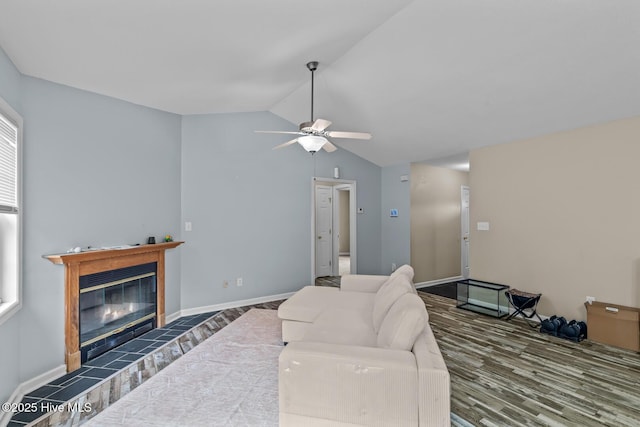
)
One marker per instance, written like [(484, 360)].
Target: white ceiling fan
[(313, 134)]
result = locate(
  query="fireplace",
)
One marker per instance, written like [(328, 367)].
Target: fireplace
[(115, 307), (111, 295)]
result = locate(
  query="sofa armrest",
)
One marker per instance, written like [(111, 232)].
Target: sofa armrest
[(348, 384), (362, 282), (434, 382)]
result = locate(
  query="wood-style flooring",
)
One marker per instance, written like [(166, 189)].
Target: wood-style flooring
[(508, 374), (332, 281)]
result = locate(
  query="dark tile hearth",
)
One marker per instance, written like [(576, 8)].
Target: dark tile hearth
[(120, 370)]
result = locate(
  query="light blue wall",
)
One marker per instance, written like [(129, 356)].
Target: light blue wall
[(250, 208), (396, 232), (9, 330), (98, 171)]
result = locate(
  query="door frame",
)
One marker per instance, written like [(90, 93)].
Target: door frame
[(344, 183), (325, 205)]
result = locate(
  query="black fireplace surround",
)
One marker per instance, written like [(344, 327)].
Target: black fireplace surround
[(115, 307)]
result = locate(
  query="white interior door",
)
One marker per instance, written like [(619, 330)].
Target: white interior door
[(324, 219), (464, 214)]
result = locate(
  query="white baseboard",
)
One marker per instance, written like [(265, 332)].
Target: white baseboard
[(438, 282), (173, 316), (226, 305), (30, 385)]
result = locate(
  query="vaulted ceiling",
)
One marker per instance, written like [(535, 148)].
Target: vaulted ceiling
[(428, 78)]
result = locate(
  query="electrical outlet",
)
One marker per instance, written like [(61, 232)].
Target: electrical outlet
[(225, 284), (239, 281), (590, 299)]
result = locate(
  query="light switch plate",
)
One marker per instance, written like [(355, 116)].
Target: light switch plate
[(483, 226)]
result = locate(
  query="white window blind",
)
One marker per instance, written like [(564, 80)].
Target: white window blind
[(8, 166)]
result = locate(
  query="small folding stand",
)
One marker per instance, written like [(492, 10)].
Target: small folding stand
[(521, 301)]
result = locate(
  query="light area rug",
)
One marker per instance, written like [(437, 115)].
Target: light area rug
[(230, 379)]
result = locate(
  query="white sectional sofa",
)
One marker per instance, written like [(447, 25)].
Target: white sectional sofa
[(363, 354)]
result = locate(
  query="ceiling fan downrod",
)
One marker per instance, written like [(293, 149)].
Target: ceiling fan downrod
[(312, 66)]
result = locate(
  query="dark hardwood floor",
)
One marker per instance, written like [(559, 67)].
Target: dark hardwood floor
[(332, 281), (447, 290), (508, 374)]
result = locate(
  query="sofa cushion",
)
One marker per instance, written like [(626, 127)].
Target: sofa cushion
[(404, 270), (362, 282), (386, 296), (404, 322), (342, 326), (308, 303), (355, 301)]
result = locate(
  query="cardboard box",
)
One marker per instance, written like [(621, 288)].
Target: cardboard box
[(614, 324)]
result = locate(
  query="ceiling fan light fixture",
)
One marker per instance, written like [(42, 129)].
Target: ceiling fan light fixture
[(313, 133), (312, 143)]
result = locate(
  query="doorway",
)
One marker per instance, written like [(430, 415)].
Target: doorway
[(342, 236), (333, 228)]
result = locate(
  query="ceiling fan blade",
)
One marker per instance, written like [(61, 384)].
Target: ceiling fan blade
[(352, 135), (320, 124), (293, 141), (329, 147), (278, 131)]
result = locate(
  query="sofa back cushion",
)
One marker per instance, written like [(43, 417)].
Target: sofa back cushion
[(404, 322), (404, 270), (387, 295)]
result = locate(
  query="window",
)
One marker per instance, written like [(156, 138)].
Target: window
[(10, 210)]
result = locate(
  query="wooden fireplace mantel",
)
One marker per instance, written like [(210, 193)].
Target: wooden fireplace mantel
[(95, 261)]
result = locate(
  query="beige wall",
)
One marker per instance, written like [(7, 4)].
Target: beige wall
[(435, 221), (564, 214)]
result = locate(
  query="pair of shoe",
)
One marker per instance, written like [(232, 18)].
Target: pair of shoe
[(574, 331), (552, 325), (558, 327)]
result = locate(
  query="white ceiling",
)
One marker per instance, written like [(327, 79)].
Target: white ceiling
[(428, 78)]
